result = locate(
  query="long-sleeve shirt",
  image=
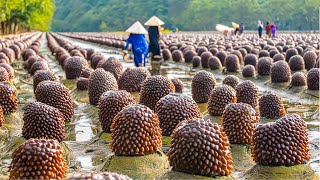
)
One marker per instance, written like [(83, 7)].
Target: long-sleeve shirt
[(139, 43)]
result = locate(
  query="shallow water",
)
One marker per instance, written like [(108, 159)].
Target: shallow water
[(89, 151)]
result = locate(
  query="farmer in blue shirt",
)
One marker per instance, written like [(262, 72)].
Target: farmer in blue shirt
[(139, 43)]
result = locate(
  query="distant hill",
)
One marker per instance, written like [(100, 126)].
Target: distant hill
[(117, 15)]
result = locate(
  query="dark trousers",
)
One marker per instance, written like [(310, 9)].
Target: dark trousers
[(235, 32), (260, 33)]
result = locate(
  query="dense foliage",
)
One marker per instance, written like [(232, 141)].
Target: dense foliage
[(25, 15), (117, 15)]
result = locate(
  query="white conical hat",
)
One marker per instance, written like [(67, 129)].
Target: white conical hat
[(222, 28), (137, 28), (154, 21)]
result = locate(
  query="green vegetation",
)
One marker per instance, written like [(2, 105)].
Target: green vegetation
[(103, 26), (25, 15), (117, 15)]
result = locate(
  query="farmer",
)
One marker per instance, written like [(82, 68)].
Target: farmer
[(268, 29), (273, 30), (139, 43), (241, 28), (154, 32), (260, 28)]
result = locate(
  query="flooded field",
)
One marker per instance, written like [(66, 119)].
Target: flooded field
[(88, 150)]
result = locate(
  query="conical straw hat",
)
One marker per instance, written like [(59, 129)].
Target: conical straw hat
[(235, 25), (154, 21), (222, 28), (137, 28)]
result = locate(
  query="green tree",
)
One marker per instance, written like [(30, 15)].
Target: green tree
[(87, 15), (26, 14), (103, 26)]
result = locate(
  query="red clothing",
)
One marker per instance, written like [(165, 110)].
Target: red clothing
[(268, 27)]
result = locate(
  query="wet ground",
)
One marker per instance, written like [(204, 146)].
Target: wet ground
[(87, 151)]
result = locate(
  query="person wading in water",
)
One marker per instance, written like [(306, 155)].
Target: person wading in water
[(154, 33)]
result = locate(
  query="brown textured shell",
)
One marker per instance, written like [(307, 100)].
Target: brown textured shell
[(43, 75), (31, 60), (166, 53), (291, 52), (214, 63), (202, 84), (264, 66), (62, 58), (201, 50), (57, 95), (310, 59), (177, 56), (153, 89), (280, 72), (178, 84), (189, 54), (1, 116), (9, 69), (4, 75), (99, 176), (110, 104), (232, 63), (95, 59), (9, 53), (86, 73), (296, 63), (42, 121), (248, 71), (222, 56), (8, 96), (278, 57), (283, 143), (38, 159), (231, 80), (100, 81), (74, 66), (205, 56), (273, 52), (270, 106), (238, 54), (196, 60), (298, 79), (112, 65), (5, 57), (82, 84), (135, 131), (313, 79), (220, 97), (200, 147), (174, 108), (39, 65), (264, 53), (90, 52), (239, 121), (247, 92), (132, 79), (16, 50)]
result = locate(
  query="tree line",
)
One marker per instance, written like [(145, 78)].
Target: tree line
[(188, 15), (25, 15), (196, 15)]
